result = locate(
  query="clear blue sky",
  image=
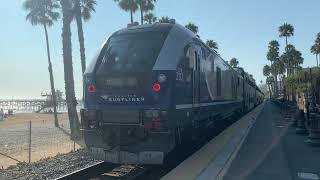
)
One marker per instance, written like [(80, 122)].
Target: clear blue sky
[(241, 28)]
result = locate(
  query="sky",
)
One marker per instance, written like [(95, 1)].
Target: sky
[(242, 29)]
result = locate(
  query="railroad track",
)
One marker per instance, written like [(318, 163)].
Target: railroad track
[(109, 171), (106, 171)]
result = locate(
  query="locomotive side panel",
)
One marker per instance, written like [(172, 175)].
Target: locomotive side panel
[(147, 91)]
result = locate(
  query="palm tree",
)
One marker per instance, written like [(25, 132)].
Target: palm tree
[(83, 10), (266, 70), (150, 18), (234, 62), (128, 5), (273, 57), (315, 52), (145, 6), (287, 58), (212, 44), (269, 82), (67, 15), (192, 27), (286, 30), (273, 52), (280, 71), (164, 19), (315, 49), (297, 59), (42, 12)]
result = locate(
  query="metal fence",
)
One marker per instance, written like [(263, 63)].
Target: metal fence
[(29, 137)]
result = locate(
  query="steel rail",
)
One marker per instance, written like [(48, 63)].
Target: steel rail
[(89, 172)]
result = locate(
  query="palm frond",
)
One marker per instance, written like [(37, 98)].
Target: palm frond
[(41, 11), (87, 7), (286, 30), (128, 5), (192, 27), (146, 5), (212, 44)]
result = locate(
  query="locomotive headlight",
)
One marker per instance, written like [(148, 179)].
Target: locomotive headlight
[(155, 114), (162, 78), (152, 113), (148, 113)]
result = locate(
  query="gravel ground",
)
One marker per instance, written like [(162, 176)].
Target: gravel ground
[(49, 168)]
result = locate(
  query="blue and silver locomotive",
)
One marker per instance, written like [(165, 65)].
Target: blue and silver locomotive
[(151, 87)]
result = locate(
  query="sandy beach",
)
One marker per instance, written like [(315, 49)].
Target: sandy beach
[(46, 139)]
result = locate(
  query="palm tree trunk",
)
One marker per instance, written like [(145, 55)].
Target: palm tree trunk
[(280, 83), (272, 88), (53, 92), (286, 49), (317, 60), (131, 15), (141, 13), (276, 84), (283, 86), (269, 92), (68, 70), (80, 36)]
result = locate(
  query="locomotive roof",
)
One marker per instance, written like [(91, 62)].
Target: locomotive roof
[(178, 37), (160, 27)]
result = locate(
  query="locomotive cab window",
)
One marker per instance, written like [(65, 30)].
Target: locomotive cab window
[(218, 81), (125, 55)]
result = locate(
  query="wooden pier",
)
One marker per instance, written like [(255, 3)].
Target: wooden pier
[(32, 105)]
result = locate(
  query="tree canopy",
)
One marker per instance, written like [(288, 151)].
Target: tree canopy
[(212, 44), (127, 5), (286, 30), (266, 70), (164, 19), (234, 62), (87, 7), (145, 6), (273, 52), (192, 27), (303, 80), (150, 18), (44, 12)]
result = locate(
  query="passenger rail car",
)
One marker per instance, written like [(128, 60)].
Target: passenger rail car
[(151, 87)]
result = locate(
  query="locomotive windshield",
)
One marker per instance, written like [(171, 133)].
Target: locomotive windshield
[(128, 57)]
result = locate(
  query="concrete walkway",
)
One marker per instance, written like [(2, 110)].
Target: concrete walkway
[(209, 161), (272, 150)]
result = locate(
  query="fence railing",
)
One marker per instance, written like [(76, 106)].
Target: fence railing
[(29, 137)]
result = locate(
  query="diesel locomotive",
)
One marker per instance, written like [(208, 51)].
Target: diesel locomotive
[(152, 87)]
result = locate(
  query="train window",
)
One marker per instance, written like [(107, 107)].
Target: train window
[(126, 54), (232, 87), (203, 53), (218, 81), (211, 59), (129, 52), (190, 54), (196, 62), (188, 63)]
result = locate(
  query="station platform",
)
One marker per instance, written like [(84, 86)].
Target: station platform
[(259, 146)]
